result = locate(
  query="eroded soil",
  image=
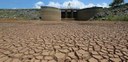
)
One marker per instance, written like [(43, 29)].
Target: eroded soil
[(64, 41)]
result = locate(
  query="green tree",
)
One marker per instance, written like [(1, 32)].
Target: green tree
[(116, 3)]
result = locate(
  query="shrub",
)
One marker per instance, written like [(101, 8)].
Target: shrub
[(117, 18)]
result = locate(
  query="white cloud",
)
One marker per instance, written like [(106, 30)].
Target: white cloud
[(38, 4), (14, 8), (73, 4), (54, 4), (89, 5), (103, 5)]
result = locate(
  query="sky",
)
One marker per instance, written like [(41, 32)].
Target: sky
[(14, 4)]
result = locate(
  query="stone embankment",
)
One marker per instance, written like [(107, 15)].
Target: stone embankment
[(24, 14), (119, 11)]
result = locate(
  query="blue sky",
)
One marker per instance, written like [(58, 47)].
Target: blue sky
[(55, 3)]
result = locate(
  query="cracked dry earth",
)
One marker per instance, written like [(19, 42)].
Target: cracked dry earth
[(64, 42)]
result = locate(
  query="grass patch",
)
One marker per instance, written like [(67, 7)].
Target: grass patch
[(117, 17)]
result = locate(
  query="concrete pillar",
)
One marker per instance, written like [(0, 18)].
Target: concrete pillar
[(65, 13), (72, 14)]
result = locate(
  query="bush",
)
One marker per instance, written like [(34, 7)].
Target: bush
[(117, 18)]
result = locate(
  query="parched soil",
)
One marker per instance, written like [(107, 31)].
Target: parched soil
[(67, 41)]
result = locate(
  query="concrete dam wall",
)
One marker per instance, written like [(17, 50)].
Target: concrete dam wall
[(49, 14), (86, 14)]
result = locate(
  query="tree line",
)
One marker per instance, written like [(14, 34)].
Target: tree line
[(116, 3)]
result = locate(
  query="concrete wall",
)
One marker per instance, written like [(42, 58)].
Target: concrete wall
[(50, 14), (86, 14)]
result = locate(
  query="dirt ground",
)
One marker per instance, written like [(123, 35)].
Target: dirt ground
[(67, 41)]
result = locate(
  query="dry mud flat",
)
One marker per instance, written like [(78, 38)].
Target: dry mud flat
[(64, 41)]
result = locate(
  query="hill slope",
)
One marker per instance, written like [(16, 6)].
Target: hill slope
[(119, 13)]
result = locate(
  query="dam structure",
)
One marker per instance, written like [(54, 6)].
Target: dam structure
[(46, 13)]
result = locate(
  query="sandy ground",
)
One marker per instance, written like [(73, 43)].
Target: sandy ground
[(68, 41)]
